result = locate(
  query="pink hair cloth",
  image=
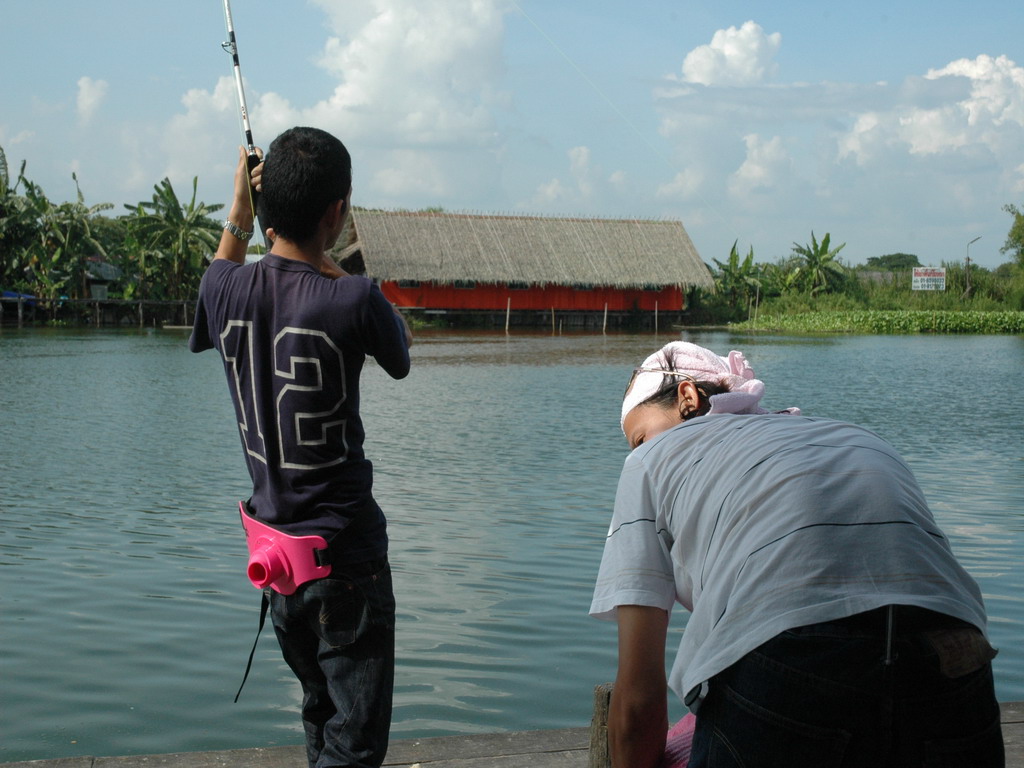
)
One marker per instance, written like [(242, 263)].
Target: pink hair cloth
[(745, 391), (678, 743)]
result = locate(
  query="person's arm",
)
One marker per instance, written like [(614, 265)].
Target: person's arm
[(405, 326), (638, 713), (240, 214), (386, 334)]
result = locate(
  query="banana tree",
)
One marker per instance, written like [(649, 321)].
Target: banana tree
[(737, 280), (174, 239), (19, 226), (818, 270), (69, 227)]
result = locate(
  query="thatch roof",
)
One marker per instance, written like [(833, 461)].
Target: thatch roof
[(445, 247)]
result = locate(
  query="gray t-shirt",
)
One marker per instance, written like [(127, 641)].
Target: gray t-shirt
[(760, 523)]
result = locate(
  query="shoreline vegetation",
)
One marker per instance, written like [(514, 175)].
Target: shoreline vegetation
[(66, 257), (875, 322)]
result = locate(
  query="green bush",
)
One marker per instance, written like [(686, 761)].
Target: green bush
[(873, 321)]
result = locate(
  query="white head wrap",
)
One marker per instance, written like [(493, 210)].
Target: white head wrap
[(745, 392)]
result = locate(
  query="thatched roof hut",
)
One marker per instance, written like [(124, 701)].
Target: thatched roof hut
[(445, 247)]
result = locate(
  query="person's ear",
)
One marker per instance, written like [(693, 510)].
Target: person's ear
[(687, 399), (334, 213)]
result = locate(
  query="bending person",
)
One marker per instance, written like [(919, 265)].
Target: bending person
[(830, 623)]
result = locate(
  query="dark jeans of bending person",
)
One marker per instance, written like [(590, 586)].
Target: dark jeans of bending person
[(338, 636), (824, 695)]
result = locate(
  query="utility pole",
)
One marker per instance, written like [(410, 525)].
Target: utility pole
[(967, 268)]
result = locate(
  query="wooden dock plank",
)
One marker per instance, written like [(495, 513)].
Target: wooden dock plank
[(450, 750), (566, 748), (1012, 716)]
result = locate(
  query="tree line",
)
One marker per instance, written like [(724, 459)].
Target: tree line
[(158, 246), (812, 278), (159, 249)]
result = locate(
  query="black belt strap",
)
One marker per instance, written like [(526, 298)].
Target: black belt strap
[(263, 617)]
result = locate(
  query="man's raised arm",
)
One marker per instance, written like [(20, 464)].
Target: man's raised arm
[(238, 227)]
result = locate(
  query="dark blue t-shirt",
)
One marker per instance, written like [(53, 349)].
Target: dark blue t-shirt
[(293, 344)]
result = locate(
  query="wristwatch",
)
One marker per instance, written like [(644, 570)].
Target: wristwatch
[(238, 232)]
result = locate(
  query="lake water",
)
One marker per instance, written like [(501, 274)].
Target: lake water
[(125, 615)]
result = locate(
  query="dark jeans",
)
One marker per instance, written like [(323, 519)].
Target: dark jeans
[(338, 636), (823, 696)]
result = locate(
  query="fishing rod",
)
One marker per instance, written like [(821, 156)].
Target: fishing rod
[(252, 159)]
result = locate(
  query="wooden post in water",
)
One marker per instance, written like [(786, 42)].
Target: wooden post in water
[(508, 311), (655, 315), (21, 311), (140, 313), (552, 321), (604, 324), (600, 756)]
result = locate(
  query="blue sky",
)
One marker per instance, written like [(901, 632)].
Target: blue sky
[(896, 127)]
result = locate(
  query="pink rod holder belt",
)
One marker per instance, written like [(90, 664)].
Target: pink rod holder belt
[(280, 561)]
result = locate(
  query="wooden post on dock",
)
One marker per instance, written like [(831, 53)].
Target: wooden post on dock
[(600, 757)]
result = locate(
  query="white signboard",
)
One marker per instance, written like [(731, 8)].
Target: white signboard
[(929, 279)]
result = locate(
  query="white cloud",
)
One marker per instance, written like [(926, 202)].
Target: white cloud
[(564, 195), (741, 56), (863, 139), (19, 138), (684, 185), (417, 83), (1017, 184), (549, 192), (766, 164), (91, 94), (413, 72), (194, 140), (989, 117), (579, 167), (998, 88), (926, 160), (410, 174)]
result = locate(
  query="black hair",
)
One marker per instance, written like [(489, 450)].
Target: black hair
[(665, 396), (305, 170)]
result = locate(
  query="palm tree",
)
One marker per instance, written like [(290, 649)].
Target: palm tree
[(176, 239), (818, 268)]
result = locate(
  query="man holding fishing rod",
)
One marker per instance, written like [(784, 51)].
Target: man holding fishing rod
[(294, 330)]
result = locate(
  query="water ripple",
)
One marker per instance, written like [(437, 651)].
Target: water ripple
[(127, 619)]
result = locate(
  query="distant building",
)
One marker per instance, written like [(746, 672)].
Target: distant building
[(99, 275), (460, 262)]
